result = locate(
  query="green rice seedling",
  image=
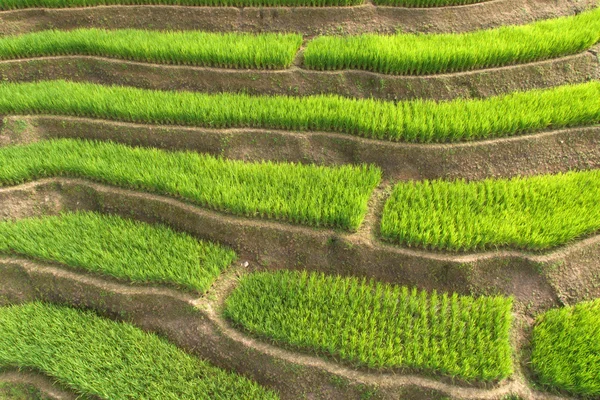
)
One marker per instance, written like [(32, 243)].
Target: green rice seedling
[(100, 357), (376, 325), (303, 194), (119, 247), (410, 121), (18, 4), (419, 54), (534, 213), (566, 349), (226, 50)]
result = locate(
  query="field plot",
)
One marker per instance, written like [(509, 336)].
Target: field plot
[(17, 4), (226, 50), (376, 325), (122, 248), (566, 349), (411, 121), (95, 356), (431, 54), (534, 213), (309, 195)]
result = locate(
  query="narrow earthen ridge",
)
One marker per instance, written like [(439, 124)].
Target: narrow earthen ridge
[(196, 325), (528, 154), (537, 282), (297, 81), (306, 20), (42, 383)]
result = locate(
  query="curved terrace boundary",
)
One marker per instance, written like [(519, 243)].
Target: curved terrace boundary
[(542, 280), (196, 326), (574, 69), (546, 152), (305, 20)]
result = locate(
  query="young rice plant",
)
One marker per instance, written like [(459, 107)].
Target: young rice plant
[(226, 50), (420, 54), (378, 325), (303, 194), (410, 121), (535, 213), (110, 360), (566, 349), (119, 247)]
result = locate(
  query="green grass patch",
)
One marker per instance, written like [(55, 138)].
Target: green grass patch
[(18, 4), (420, 54), (97, 356), (20, 391), (226, 50), (119, 247), (410, 121), (534, 213), (566, 349), (378, 325), (303, 194)]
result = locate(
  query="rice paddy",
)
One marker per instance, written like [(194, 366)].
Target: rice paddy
[(533, 213), (423, 121), (377, 325), (302, 194), (96, 356), (422, 54), (226, 50), (566, 349), (122, 248)]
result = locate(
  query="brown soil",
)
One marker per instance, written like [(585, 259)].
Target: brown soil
[(548, 152), (306, 20), (45, 387), (536, 281), (196, 326), (296, 81)]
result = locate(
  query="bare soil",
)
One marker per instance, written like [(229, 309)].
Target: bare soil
[(530, 154), (306, 20), (301, 82)]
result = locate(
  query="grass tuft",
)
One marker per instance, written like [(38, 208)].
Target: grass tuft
[(96, 356), (421, 54), (566, 349), (302, 194), (119, 247), (410, 121), (226, 50), (533, 213), (378, 325)]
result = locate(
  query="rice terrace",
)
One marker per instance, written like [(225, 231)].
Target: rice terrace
[(300, 199)]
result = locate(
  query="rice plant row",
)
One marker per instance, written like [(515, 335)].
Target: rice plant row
[(226, 50), (566, 349), (534, 213), (20, 4), (123, 248), (398, 54), (98, 357), (418, 54), (303, 194), (377, 325), (410, 121)]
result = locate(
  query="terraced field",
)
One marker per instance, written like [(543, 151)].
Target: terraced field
[(299, 199)]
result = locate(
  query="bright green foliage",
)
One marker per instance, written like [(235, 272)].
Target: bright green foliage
[(425, 3), (412, 121), (566, 349), (303, 194), (227, 50), (120, 247), (536, 213), (16, 4), (378, 325), (418, 54), (97, 356)]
